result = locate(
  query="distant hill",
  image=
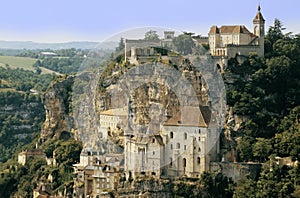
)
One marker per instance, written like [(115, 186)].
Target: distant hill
[(111, 45)]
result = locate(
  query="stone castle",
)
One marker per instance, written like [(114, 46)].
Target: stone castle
[(227, 42)]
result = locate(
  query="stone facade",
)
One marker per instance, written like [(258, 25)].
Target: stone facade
[(96, 173), (111, 120), (237, 171), (144, 48), (228, 41), (185, 146), (27, 154)]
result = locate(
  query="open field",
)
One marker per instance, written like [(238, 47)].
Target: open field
[(18, 62), (26, 63)]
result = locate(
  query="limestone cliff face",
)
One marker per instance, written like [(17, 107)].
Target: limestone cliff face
[(58, 113), (154, 92), (74, 104)]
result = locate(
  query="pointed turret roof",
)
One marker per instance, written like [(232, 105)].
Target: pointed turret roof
[(259, 17)]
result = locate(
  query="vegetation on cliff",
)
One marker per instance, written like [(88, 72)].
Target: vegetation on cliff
[(265, 94), (262, 92)]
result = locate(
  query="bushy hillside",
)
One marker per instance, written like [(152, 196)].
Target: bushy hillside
[(265, 93)]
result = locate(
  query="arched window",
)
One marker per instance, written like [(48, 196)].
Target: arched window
[(178, 145), (153, 140), (171, 134), (184, 162), (171, 161), (185, 136), (198, 160)]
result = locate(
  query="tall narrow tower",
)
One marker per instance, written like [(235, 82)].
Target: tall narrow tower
[(259, 28)]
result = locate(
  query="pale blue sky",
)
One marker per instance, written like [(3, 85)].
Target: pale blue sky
[(96, 20)]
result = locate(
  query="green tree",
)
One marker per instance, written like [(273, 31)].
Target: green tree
[(151, 35), (121, 45), (245, 189), (244, 148), (38, 70), (274, 33), (218, 185), (262, 149)]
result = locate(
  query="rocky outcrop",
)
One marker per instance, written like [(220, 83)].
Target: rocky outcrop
[(74, 103), (58, 110)]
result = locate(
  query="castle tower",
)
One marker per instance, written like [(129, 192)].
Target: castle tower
[(259, 28)]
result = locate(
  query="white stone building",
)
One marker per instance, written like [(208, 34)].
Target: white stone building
[(111, 120), (229, 41), (185, 146)]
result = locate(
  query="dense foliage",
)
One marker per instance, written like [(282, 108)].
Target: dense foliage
[(23, 80), (15, 178), (61, 65), (209, 185), (21, 110), (265, 92)]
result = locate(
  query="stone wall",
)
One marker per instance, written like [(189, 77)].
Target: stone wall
[(129, 44), (245, 50), (237, 171)]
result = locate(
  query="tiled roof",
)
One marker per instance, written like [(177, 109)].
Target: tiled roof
[(229, 29), (115, 112), (214, 30), (190, 116)]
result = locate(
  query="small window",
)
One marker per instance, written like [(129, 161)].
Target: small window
[(171, 161), (198, 160), (185, 136), (184, 162), (171, 135), (153, 152), (153, 140), (178, 145), (184, 147), (171, 146)]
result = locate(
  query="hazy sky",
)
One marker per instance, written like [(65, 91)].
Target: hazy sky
[(96, 20)]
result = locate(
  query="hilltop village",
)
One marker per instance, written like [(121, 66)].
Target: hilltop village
[(133, 143), (187, 145)]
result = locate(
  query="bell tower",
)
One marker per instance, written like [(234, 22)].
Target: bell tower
[(259, 24), (259, 29)]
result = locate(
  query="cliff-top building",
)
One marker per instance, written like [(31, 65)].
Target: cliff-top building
[(228, 41)]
